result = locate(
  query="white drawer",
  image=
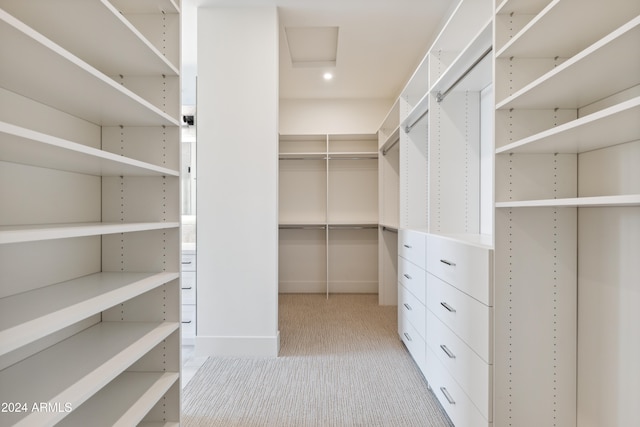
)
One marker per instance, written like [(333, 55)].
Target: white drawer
[(459, 407), (413, 278), (465, 266), (465, 316), (413, 310), (412, 246), (188, 321), (472, 374), (188, 285), (188, 262), (414, 343)]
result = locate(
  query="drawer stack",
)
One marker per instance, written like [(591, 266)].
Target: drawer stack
[(459, 322), (188, 270), (412, 293)]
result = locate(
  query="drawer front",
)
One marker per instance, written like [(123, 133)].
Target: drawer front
[(188, 321), (188, 285), (457, 404), (188, 262), (414, 343), (413, 278), (412, 246), (413, 311), (467, 267), (472, 374), (468, 318)]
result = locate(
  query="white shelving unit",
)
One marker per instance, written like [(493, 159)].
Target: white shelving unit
[(389, 201), (567, 200), (89, 226), (446, 214), (328, 213)]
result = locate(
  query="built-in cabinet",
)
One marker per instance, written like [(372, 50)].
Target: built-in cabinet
[(328, 213), (519, 221), (445, 199), (567, 216), (89, 219)]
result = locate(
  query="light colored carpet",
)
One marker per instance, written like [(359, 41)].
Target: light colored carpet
[(341, 364)]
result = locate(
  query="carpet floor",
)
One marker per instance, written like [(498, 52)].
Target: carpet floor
[(341, 364)]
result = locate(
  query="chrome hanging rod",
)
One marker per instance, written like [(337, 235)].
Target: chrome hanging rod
[(441, 95), (408, 128), (302, 158), (386, 150), (385, 228), (353, 158), (302, 227), (352, 227)]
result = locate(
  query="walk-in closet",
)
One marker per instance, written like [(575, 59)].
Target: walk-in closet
[(319, 212)]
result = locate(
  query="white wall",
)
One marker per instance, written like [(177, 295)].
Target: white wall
[(237, 244), (318, 116)]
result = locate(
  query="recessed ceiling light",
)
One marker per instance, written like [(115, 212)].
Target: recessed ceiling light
[(327, 76)]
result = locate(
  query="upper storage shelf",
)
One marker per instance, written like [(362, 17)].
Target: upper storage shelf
[(548, 36), (29, 316), (570, 85), (95, 31), (68, 83), (610, 126), (20, 145)]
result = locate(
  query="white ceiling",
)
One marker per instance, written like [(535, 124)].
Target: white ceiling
[(380, 43)]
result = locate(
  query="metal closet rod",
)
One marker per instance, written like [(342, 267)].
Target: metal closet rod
[(393, 230), (302, 227), (330, 158), (441, 95), (352, 227), (407, 129), (393, 144)]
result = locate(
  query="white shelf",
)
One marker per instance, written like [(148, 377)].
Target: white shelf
[(547, 35), (604, 128), (92, 96), (32, 315), (571, 84), (123, 402), (465, 21), (521, 6), (30, 233), (76, 368), (21, 145), (602, 201), (476, 49), (146, 6), (65, 22)]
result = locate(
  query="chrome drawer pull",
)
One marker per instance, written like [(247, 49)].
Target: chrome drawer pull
[(186, 321), (447, 395), (407, 276), (408, 306), (186, 262), (448, 307), (447, 351), (408, 337), (407, 246), (449, 263), (190, 287)]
